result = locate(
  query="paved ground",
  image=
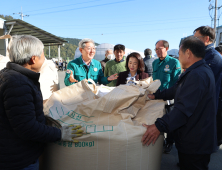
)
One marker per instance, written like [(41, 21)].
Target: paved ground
[(170, 160)]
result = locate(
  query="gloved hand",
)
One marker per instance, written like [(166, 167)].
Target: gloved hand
[(70, 132)]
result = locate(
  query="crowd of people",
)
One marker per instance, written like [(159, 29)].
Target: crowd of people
[(191, 87)]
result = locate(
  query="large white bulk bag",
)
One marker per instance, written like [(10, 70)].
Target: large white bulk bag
[(49, 81), (114, 122), (3, 61)]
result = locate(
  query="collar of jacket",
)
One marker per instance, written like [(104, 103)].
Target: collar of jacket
[(148, 56), (209, 46), (165, 59), (30, 74), (123, 59), (82, 64), (195, 65), (106, 59)]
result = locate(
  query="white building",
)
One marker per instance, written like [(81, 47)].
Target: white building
[(101, 50)]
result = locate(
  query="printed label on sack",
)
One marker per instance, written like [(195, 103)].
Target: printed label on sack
[(71, 144)]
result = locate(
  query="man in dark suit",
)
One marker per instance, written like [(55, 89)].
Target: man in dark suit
[(193, 118)]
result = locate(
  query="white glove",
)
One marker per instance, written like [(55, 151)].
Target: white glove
[(70, 132)]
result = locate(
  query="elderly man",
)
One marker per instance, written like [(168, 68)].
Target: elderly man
[(148, 61), (193, 118), (86, 67), (207, 35), (22, 123), (108, 56), (117, 65), (167, 70)]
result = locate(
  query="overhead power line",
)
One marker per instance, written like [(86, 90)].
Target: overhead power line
[(62, 6), (123, 23), (83, 7), (126, 32)]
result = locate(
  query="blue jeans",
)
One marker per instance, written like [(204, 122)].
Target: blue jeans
[(34, 166)]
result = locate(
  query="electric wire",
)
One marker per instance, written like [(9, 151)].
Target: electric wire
[(83, 7), (61, 6)]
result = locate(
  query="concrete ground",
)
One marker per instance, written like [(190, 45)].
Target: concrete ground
[(169, 161)]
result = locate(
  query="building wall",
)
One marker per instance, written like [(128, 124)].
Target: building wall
[(219, 36), (2, 43)]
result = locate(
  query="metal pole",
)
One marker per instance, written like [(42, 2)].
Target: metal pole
[(21, 14), (49, 50), (215, 17), (58, 53)]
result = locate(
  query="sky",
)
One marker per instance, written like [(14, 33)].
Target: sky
[(137, 24)]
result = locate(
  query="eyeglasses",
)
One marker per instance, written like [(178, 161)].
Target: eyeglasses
[(199, 36), (158, 49), (90, 49)]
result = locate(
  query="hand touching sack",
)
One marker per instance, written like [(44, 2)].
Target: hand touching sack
[(71, 77), (69, 133)]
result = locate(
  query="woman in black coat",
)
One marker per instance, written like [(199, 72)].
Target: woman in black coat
[(135, 69)]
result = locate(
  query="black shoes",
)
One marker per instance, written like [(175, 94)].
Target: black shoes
[(168, 147)]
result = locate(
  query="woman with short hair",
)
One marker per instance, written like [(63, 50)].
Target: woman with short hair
[(135, 70)]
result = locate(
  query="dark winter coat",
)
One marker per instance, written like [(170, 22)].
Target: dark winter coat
[(214, 61), (193, 118), (22, 123), (103, 63), (148, 61)]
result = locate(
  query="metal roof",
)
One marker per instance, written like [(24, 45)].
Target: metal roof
[(19, 27)]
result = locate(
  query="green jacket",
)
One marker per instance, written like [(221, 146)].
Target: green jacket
[(167, 71), (80, 72)]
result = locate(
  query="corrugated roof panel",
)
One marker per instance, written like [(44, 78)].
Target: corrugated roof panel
[(23, 28)]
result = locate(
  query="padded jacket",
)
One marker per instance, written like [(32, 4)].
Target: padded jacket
[(148, 61), (193, 118), (214, 61), (22, 123)]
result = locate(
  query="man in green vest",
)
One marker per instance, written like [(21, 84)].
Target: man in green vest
[(117, 65), (167, 69)]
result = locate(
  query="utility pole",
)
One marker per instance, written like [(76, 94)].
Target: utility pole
[(215, 16), (21, 14), (49, 50)]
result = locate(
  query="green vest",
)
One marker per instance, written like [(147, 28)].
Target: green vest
[(167, 71)]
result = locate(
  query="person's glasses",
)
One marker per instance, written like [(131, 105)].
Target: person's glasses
[(90, 49), (199, 36), (158, 49)]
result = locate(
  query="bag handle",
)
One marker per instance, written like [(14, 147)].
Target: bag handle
[(93, 83)]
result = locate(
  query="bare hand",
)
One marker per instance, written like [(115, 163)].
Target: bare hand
[(151, 134), (71, 78), (112, 77), (151, 96)]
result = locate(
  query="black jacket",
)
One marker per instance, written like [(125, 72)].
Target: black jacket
[(148, 61), (214, 60), (193, 119), (22, 123), (103, 63)]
